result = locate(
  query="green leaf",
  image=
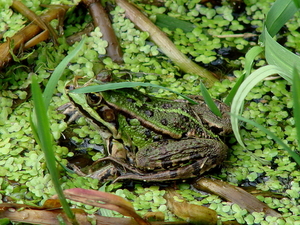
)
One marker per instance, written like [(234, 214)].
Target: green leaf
[(172, 23), (250, 56), (297, 3), (296, 101), (293, 154), (209, 101), (280, 56), (279, 14), (5, 221), (245, 88), (42, 128), (233, 91), (249, 59)]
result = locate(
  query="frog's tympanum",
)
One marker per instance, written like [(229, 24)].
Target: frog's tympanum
[(155, 139)]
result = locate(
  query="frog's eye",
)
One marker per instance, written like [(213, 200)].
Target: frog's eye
[(106, 113), (93, 99)]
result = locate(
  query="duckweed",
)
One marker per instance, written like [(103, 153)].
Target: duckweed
[(264, 164)]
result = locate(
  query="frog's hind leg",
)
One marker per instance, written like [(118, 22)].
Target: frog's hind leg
[(189, 171), (120, 164)]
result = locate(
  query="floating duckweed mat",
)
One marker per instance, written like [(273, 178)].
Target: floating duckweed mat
[(216, 38)]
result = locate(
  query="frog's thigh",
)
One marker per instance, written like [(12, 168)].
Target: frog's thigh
[(166, 154)]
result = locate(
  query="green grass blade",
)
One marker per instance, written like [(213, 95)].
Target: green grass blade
[(114, 86), (279, 14), (280, 56), (233, 91), (245, 88), (44, 134), (293, 154), (250, 57), (172, 23), (209, 101), (52, 83), (297, 3), (296, 101)]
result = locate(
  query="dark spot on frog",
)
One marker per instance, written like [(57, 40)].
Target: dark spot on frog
[(167, 163), (149, 113), (130, 100), (166, 105), (184, 118), (147, 99), (164, 122), (173, 174), (148, 133)]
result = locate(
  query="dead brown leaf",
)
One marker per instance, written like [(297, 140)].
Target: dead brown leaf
[(235, 195), (189, 212)]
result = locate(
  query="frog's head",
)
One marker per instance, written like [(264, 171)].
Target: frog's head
[(219, 125)]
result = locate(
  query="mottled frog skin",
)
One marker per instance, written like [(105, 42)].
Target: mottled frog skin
[(155, 139)]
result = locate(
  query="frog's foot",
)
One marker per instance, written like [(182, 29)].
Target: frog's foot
[(69, 110), (77, 170), (119, 163), (107, 173), (189, 171)]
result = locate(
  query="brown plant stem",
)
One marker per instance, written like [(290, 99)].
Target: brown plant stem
[(164, 43), (101, 20), (78, 36), (30, 15)]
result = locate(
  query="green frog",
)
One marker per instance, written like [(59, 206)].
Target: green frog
[(156, 139)]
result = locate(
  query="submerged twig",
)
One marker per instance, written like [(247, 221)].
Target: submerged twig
[(163, 42), (25, 36), (78, 36), (30, 15), (245, 35), (101, 20)]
